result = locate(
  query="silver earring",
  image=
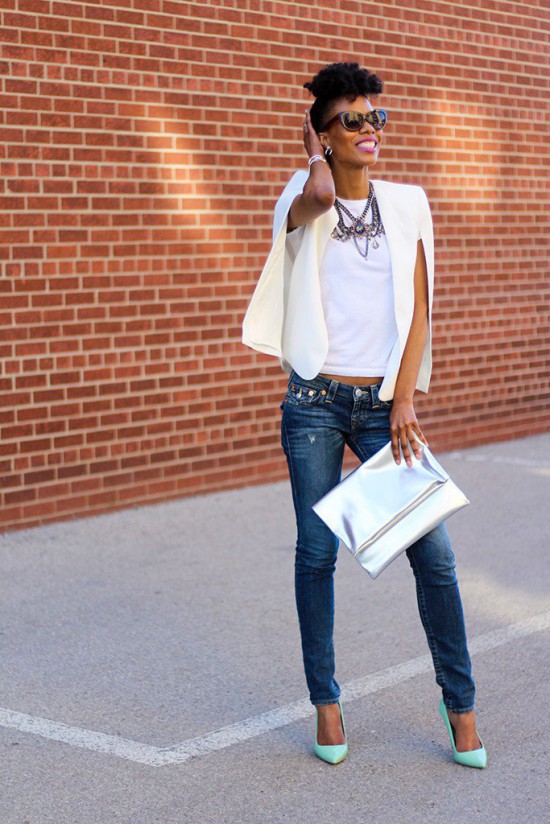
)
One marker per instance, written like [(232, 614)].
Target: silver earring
[(328, 151)]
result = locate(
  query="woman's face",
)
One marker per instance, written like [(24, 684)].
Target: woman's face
[(352, 148)]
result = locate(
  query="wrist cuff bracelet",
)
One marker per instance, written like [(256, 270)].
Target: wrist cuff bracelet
[(314, 158)]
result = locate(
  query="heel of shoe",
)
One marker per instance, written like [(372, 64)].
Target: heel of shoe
[(331, 753), (469, 758)]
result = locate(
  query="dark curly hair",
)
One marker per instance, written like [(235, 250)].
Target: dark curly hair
[(339, 80)]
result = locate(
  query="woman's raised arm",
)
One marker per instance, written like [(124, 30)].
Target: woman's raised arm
[(319, 193)]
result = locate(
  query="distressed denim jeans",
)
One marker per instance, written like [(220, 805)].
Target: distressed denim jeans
[(319, 417)]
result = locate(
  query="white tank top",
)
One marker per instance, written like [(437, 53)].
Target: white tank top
[(358, 301)]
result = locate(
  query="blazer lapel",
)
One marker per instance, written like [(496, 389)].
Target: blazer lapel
[(399, 223)]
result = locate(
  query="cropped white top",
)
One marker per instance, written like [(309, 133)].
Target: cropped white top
[(286, 317), (358, 301)]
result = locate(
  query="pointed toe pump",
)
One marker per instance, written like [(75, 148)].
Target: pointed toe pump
[(468, 758), (332, 753)]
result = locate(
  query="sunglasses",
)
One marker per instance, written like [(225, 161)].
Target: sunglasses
[(353, 121)]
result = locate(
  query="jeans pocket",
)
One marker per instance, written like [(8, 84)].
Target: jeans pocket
[(299, 393)]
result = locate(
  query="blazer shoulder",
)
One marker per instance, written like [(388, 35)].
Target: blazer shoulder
[(297, 181), (406, 198), (294, 187)]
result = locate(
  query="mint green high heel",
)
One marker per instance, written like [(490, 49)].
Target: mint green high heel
[(469, 758), (332, 753)]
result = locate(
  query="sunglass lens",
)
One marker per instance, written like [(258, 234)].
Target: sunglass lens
[(352, 121), (377, 118)]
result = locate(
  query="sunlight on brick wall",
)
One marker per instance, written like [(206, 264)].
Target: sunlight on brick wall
[(144, 144)]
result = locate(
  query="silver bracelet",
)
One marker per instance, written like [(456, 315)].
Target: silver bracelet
[(314, 158)]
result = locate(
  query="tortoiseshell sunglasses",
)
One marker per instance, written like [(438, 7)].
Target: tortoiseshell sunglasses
[(353, 121)]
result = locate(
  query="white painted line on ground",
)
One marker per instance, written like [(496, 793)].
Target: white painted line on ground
[(78, 737), (358, 688), (259, 724), (481, 458)]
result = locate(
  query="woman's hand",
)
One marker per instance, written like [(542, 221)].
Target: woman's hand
[(404, 428), (312, 143)]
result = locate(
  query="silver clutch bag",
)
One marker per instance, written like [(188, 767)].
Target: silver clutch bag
[(381, 508)]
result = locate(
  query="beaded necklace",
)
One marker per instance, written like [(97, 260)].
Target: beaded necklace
[(358, 228)]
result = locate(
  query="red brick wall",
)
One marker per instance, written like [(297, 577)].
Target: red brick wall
[(143, 146)]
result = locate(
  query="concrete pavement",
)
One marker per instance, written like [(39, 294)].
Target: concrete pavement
[(152, 668)]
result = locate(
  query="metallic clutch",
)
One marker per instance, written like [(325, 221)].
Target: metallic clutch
[(381, 508)]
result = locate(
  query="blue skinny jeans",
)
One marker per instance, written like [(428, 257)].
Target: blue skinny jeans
[(319, 417)]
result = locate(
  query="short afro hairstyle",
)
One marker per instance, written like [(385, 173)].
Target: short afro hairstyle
[(339, 80)]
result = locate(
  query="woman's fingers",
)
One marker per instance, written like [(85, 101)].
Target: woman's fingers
[(308, 129), (422, 437), (311, 140), (405, 433), (395, 445), (415, 441), (307, 123), (404, 439), (405, 446)]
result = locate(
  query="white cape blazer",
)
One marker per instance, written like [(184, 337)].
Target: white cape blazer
[(285, 316)]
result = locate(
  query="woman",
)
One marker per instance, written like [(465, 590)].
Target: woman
[(345, 301)]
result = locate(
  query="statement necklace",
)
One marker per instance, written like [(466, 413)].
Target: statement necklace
[(358, 229)]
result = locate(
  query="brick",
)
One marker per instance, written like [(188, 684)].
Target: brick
[(143, 146)]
